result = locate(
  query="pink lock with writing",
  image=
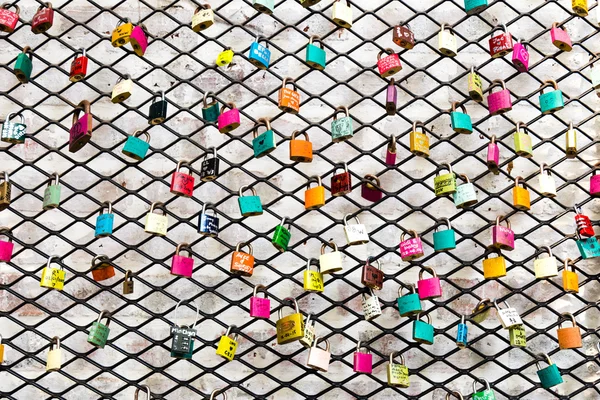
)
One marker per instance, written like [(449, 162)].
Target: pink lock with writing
[(6, 246), (430, 288), (412, 248), (363, 362), (139, 40), (502, 236), (595, 182), (228, 120), (520, 58), (180, 265), (499, 102), (388, 65), (260, 307)]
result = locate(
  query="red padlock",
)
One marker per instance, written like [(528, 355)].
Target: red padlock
[(182, 184), (388, 65), (9, 19), (78, 66), (502, 44), (102, 268), (43, 19), (584, 224), (341, 183)]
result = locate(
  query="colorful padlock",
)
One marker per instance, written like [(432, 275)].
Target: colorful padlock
[(388, 65), (227, 346), (595, 182), (444, 184), (181, 265), (8, 18), (570, 280), (158, 109), (508, 316), (341, 184), (403, 36), (182, 345), (481, 310), (465, 195), (289, 99), (371, 276), (560, 38), (341, 128), (398, 374), (182, 184), (486, 393), (546, 181), (102, 269), (260, 56), (53, 278), (446, 239), (14, 132), (580, 7), (79, 65), (121, 34), (391, 98), (228, 120), (553, 100), (447, 41), (550, 375), (521, 197), (291, 327), (363, 362), (475, 6), (282, 235), (341, 13), (390, 154), (98, 335), (225, 57), (371, 189), (502, 236), (260, 307), (242, 263), (24, 65), (461, 121), (571, 142), (494, 267), (474, 85), (500, 45), (139, 39), (588, 247), (210, 110), (520, 57), (52, 193), (419, 142), (264, 143), (569, 337), (408, 304), (209, 167), (6, 246), (155, 223), (493, 156), (314, 197), (203, 18), (462, 333), (122, 89), (498, 102), (319, 358), (583, 222), (429, 288), (423, 332), (315, 55), (5, 189), (81, 128), (412, 248), (208, 225), (370, 305), (522, 140), (308, 337), (356, 234), (313, 280), (135, 147), (546, 267), (54, 361), (264, 6), (249, 205), (517, 336), (301, 150)]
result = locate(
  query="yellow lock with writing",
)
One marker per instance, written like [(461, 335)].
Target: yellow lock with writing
[(227, 346), (291, 327), (313, 280), (545, 267), (53, 278), (398, 374), (494, 267), (570, 278), (122, 33), (521, 198), (419, 142), (54, 361)]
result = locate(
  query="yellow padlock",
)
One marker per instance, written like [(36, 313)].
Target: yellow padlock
[(1, 351), (521, 198), (122, 90), (419, 142), (54, 361), (481, 310), (122, 33), (494, 267), (545, 267), (580, 7), (53, 278), (291, 327), (313, 280), (570, 278), (571, 142), (227, 346), (225, 57), (398, 374), (203, 18), (523, 146)]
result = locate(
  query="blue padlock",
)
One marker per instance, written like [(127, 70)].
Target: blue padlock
[(461, 333), (249, 205), (461, 121), (208, 225), (588, 247), (475, 6), (551, 101), (549, 376), (135, 147), (444, 240), (104, 222), (264, 6), (260, 56), (409, 304), (264, 143)]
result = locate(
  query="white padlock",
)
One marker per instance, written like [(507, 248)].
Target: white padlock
[(355, 234)]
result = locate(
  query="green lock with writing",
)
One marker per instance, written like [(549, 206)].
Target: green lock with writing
[(341, 128), (52, 193), (99, 332), (282, 236), (423, 332), (13, 132), (518, 337), (588, 247), (135, 147), (264, 143), (408, 304), (486, 393)]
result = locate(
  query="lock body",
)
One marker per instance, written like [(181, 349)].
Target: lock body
[(444, 184), (547, 185), (390, 157), (98, 334), (138, 41), (391, 97), (521, 198), (588, 247), (301, 150), (509, 317), (501, 45), (551, 101), (156, 224), (518, 336), (465, 195), (290, 328), (475, 6), (128, 287), (183, 342), (341, 128), (370, 192), (5, 189), (318, 359), (462, 335), (411, 249), (8, 20), (494, 267), (229, 120), (225, 57), (389, 65), (314, 198), (308, 337), (486, 394), (250, 205), (158, 112), (520, 58), (13, 132), (363, 362), (120, 35), (595, 76), (242, 263), (78, 69), (289, 100), (330, 262), (398, 375), (211, 112), (403, 37), (54, 361), (475, 86), (371, 307), (53, 278), (595, 185), (499, 102), (503, 238), (356, 234), (545, 267), (429, 288), (580, 7), (493, 158), (51, 197), (208, 225), (209, 169), (409, 305), (313, 281), (23, 68), (423, 332), (6, 250), (260, 56), (182, 184), (444, 240), (103, 272), (182, 266), (461, 122), (260, 307), (447, 43), (372, 277), (264, 143), (341, 184), (226, 348), (80, 133), (316, 57), (550, 376), (281, 238), (122, 91), (570, 281), (419, 144), (560, 38), (569, 338), (523, 146), (203, 19), (136, 148), (342, 14)]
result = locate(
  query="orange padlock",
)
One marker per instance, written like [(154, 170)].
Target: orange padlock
[(314, 197), (568, 338), (289, 99), (242, 263), (101, 268), (300, 150)]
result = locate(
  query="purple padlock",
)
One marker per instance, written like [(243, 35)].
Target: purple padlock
[(390, 155), (502, 236), (260, 307), (520, 58), (391, 98), (499, 102), (430, 288), (6, 247), (180, 265), (81, 128), (493, 156), (228, 120), (139, 40), (412, 248), (363, 362), (595, 182), (371, 188)]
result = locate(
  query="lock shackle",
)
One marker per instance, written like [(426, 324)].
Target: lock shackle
[(464, 177), (98, 260), (315, 38), (444, 166), (462, 319), (577, 209), (56, 340), (205, 6), (495, 82), (392, 143), (123, 20), (548, 250), (104, 314), (498, 307), (497, 28), (442, 221), (331, 244), (197, 312), (184, 163), (481, 380), (289, 224), (79, 50), (244, 188), (27, 50), (206, 96), (146, 389), (261, 122), (159, 205), (546, 84), (523, 125), (358, 347), (387, 51), (155, 95), (260, 38), (139, 133), (228, 332), (414, 234), (446, 26), (336, 166), (8, 6), (568, 262), (49, 261), (83, 105), (230, 105), (395, 354), (565, 317), (183, 247), (128, 275), (308, 320), (241, 245), (417, 124), (54, 177), (426, 315), (126, 77), (314, 178), (522, 182), (454, 394), (260, 288), (280, 313), (501, 218), (462, 107), (545, 167), (490, 251), (214, 151), (340, 109), (315, 344), (542, 357), (483, 305), (368, 262), (11, 115), (5, 175), (411, 287), (217, 392), (287, 81), (309, 263), (4, 231), (296, 133), (346, 219), (428, 269), (369, 178)]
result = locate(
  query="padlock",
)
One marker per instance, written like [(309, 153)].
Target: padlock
[(182, 184), (52, 193), (309, 3), (403, 36), (388, 65), (228, 346), (122, 90), (595, 182), (520, 57), (363, 362), (370, 188), (313, 280), (521, 198), (181, 265), (475, 86), (101, 268), (121, 34), (412, 248), (549, 376), (342, 14), (371, 307), (260, 56), (53, 278), (330, 262), (157, 224), (291, 327), (98, 334), (498, 102), (264, 6), (242, 263), (289, 99), (249, 205), (486, 394), (551, 101), (430, 288), (228, 120), (79, 66), (503, 237), (264, 143), (508, 316), (571, 142), (54, 360), (447, 41), (182, 345), (6, 246), (282, 235), (390, 154), (461, 121), (14, 132), (139, 39), (128, 282), (560, 38), (372, 277), (454, 394), (315, 55), (356, 234), (319, 358), (209, 167), (146, 389), (314, 197), (203, 18), (308, 337), (341, 184), (260, 307), (301, 150), (522, 141), (225, 57), (481, 311), (580, 7), (419, 142), (494, 267), (595, 72), (493, 156), (462, 333), (570, 337), (135, 147), (1, 345), (208, 225), (584, 224), (341, 129), (408, 304), (465, 195), (546, 180), (588, 247), (500, 45), (158, 109), (9, 19), (475, 6), (423, 332), (517, 336), (570, 279), (5, 189), (210, 111), (398, 374), (545, 267), (391, 97), (444, 240), (24, 65), (444, 184)]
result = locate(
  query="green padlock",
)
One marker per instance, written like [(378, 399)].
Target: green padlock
[(99, 332), (475, 6), (518, 336), (445, 184), (52, 193), (423, 332), (282, 236), (210, 111), (551, 101), (249, 205), (264, 143), (409, 304), (13, 132), (523, 145), (444, 240), (315, 55), (486, 393), (461, 121), (135, 147), (24, 65), (341, 128), (549, 376), (588, 247)]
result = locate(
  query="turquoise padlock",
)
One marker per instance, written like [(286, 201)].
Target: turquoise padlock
[(210, 111), (423, 331), (24, 65), (249, 205), (104, 222), (409, 304), (315, 55), (588, 247), (264, 6), (461, 121), (264, 143), (475, 6), (486, 393), (341, 128), (551, 101), (444, 240), (135, 147), (99, 332), (52, 193), (260, 56), (549, 376)]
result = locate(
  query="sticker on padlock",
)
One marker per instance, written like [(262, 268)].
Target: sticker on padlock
[(313, 280), (242, 263), (135, 147), (315, 55), (419, 142), (521, 198), (570, 280), (546, 267), (550, 375), (398, 374), (363, 362), (444, 184), (308, 337), (14, 132), (341, 184), (486, 394), (403, 36), (155, 223), (423, 332), (227, 346), (319, 358), (128, 282), (282, 235), (182, 345), (98, 335), (465, 195), (291, 327), (301, 150), (260, 307), (517, 336), (444, 239), (508, 316), (356, 234), (102, 269), (54, 360), (370, 305), (52, 193), (53, 278), (182, 265), (6, 246)]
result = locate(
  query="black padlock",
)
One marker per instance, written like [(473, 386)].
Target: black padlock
[(158, 109), (209, 169)]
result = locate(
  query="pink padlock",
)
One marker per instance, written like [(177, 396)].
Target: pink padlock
[(6, 247), (260, 307), (390, 156), (388, 65), (391, 98), (499, 102), (180, 265), (502, 236), (363, 362), (520, 58), (412, 248), (493, 156), (430, 288), (595, 182), (139, 40), (228, 120), (560, 38)]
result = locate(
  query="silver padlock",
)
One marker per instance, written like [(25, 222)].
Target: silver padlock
[(370, 306)]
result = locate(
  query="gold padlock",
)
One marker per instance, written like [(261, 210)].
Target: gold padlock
[(5, 188), (291, 327), (571, 142), (122, 90), (122, 33), (521, 198), (419, 142), (545, 267), (53, 278), (494, 267), (398, 374), (570, 278), (54, 361), (481, 310), (475, 86), (313, 280)]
